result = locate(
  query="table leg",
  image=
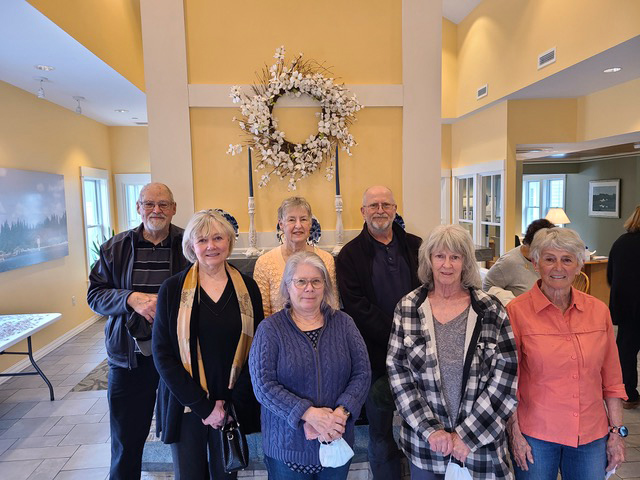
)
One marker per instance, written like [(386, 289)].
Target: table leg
[(33, 362)]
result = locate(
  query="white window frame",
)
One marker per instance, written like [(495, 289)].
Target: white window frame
[(445, 196), (122, 180), (544, 193), (476, 172), (101, 176)]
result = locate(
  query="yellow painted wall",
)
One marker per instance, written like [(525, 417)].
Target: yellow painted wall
[(38, 135), (361, 45), (111, 29), (480, 138), (545, 120), (228, 41), (129, 148), (609, 112), (377, 160), (499, 42), (449, 68)]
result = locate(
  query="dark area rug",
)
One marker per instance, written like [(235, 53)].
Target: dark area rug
[(95, 380)]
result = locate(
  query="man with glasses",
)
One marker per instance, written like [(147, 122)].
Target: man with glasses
[(374, 271), (124, 285)]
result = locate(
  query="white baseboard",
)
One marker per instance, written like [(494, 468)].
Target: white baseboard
[(37, 355)]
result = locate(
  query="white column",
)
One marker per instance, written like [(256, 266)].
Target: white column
[(165, 69), (421, 78)]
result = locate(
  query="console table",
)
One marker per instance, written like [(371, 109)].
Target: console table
[(15, 328)]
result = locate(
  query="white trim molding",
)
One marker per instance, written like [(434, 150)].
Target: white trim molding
[(497, 166), (209, 95)]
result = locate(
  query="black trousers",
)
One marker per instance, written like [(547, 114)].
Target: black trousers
[(384, 455), (132, 398), (628, 341), (198, 453)]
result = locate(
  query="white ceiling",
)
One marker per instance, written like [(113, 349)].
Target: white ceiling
[(456, 10), (28, 38)]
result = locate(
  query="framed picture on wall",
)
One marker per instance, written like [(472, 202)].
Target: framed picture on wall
[(604, 198)]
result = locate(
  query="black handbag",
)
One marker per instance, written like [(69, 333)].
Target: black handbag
[(235, 450)]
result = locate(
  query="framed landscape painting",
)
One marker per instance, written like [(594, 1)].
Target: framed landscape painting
[(604, 198), (33, 218)]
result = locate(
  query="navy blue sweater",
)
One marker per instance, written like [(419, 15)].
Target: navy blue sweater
[(289, 376)]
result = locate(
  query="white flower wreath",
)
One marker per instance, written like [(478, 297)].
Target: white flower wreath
[(277, 155)]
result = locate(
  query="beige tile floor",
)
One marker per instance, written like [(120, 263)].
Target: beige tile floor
[(68, 439)]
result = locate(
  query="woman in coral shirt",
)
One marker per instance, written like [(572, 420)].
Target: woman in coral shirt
[(570, 388)]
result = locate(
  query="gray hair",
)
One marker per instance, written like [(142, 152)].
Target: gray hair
[(202, 224), (306, 258), (559, 239), (154, 184), (457, 240), (293, 202)]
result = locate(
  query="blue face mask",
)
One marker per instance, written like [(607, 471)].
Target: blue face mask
[(335, 454)]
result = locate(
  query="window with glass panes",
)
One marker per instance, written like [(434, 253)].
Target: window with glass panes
[(539, 194)]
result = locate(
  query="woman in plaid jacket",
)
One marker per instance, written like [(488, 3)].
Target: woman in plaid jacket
[(452, 365)]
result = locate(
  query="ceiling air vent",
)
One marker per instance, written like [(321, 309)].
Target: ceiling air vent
[(482, 92), (142, 123), (546, 58)]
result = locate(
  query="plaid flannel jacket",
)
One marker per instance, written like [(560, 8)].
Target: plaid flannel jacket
[(489, 395)]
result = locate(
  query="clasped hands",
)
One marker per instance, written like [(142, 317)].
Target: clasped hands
[(448, 444), (324, 423), (216, 417), (144, 304)]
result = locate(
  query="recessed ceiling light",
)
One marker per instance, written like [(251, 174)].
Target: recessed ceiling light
[(120, 110), (44, 68), (612, 70), (557, 155)]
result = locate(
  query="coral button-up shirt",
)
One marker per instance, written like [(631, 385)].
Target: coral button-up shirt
[(567, 364)]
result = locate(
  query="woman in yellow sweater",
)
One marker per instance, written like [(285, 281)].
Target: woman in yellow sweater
[(294, 218)]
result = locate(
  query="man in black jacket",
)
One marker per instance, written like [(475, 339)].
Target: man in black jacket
[(124, 284), (374, 271)]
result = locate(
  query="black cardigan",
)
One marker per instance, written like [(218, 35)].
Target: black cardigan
[(623, 274), (354, 267), (177, 388)]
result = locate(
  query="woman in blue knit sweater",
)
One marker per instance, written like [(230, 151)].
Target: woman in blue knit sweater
[(310, 372)]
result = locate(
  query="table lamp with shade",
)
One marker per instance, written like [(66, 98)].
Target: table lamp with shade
[(557, 216)]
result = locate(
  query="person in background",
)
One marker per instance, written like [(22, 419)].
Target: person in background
[(294, 218), (513, 273), (569, 415), (310, 372), (124, 284), (205, 321), (375, 270), (623, 275), (452, 365)]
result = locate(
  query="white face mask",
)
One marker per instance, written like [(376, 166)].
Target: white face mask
[(456, 472), (335, 454)]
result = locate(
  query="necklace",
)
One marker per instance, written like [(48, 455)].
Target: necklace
[(305, 326)]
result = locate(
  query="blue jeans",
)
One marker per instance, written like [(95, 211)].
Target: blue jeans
[(419, 474), (279, 471), (586, 462)]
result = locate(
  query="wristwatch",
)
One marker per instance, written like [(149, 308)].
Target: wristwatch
[(621, 430), (346, 412)]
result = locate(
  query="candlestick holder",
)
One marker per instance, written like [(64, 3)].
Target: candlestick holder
[(339, 227), (252, 251)]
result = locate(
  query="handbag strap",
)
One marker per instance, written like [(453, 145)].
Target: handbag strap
[(229, 410)]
